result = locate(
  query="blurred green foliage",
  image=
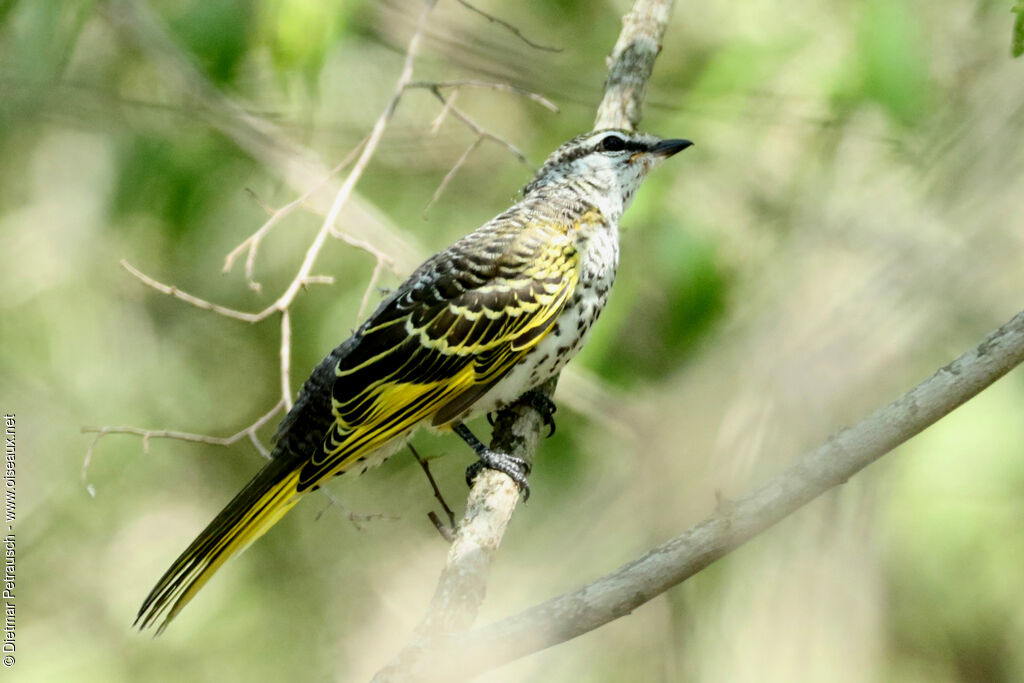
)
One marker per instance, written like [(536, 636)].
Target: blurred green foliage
[(848, 220), (214, 32), (1017, 48)]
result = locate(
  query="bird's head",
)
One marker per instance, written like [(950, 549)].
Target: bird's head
[(604, 165)]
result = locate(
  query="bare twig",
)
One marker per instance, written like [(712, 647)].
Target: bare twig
[(258, 445), (148, 434), (368, 150), (448, 108), (476, 128), (451, 656), (191, 299), (286, 358), (515, 31), (251, 244), (249, 432), (457, 85), (365, 246), (318, 280), (368, 292), (451, 173), (383, 261), (445, 531), (438, 121), (356, 518)]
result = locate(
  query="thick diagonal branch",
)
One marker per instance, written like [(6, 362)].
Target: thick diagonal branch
[(734, 523)]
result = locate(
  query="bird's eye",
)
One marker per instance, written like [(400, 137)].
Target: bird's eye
[(612, 143)]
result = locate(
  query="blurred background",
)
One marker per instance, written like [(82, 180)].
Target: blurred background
[(851, 218)]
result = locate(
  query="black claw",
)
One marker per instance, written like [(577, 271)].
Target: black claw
[(516, 468), (544, 406), (472, 472)]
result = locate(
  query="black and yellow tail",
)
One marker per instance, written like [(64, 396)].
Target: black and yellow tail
[(256, 508)]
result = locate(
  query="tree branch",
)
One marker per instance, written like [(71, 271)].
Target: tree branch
[(463, 583), (631, 63), (733, 523), (462, 586)]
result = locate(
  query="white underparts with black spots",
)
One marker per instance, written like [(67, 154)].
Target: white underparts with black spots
[(599, 260)]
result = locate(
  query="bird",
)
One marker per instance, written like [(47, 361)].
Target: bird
[(476, 327)]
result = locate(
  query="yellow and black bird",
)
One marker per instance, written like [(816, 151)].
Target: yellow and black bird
[(476, 327)]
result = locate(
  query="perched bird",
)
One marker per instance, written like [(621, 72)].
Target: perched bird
[(473, 329)]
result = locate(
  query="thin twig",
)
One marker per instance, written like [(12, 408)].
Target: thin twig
[(286, 358), (328, 226), (477, 128), (258, 445), (148, 434), (446, 531), (364, 246), (438, 121), (486, 85), (249, 432), (319, 280), (356, 518), (267, 209), (383, 261), (364, 303), (251, 244), (192, 299), (510, 27), (451, 173), (372, 141)]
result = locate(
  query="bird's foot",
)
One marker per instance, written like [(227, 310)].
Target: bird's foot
[(516, 468), (544, 406)]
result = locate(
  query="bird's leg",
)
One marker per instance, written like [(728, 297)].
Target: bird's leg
[(516, 468), (544, 406)]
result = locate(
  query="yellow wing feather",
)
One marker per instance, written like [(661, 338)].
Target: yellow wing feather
[(456, 328), (497, 323)]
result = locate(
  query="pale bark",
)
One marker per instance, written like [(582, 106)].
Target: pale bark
[(459, 655), (462, 586)]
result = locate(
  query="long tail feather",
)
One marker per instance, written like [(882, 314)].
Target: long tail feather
[(255, 509)]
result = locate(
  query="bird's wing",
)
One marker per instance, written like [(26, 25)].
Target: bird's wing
[(461, 323)]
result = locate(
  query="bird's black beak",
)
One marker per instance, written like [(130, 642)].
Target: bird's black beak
[(667, 148)]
